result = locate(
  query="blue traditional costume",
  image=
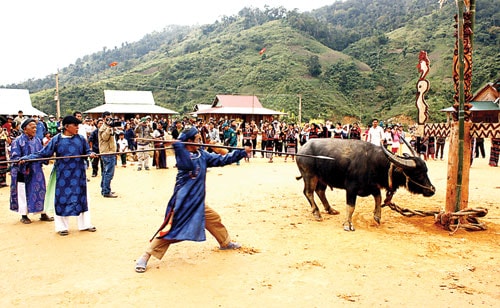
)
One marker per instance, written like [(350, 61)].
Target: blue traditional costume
[(188, 201), (68, 178), (187, 216), (30, 173), (71, 181)]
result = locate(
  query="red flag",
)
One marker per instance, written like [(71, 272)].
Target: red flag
[(262, 51), (113, 64)]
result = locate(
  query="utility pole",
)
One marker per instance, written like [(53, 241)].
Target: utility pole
[(300, 109), (56, 98)]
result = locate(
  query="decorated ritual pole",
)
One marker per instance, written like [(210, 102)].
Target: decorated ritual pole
[(459, 158), (423, 86)]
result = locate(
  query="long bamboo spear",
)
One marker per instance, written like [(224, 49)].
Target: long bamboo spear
[(237, 148), (80, 156), (157, 149)]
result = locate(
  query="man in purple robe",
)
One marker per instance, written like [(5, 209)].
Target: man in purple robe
[(27, 188), (187, 216)]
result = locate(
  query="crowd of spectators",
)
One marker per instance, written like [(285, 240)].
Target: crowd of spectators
[(270, 138)]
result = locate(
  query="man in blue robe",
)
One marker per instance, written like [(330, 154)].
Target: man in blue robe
[(40, 128), (70, 195), (27, 186), (187, 216)]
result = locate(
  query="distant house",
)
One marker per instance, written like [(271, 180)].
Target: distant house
[(239, 107), (128, 104), (485, 104), (13, 100)]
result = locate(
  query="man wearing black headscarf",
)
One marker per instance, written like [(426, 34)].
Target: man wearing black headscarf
[(187, 216), (68, 179), (27, 188)]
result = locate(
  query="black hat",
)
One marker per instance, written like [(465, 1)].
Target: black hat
[(70, 120), (26, 122), (106, 113)]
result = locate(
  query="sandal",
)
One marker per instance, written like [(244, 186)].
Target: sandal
[(91, 229), (231, 245), (63, 232), (140, 265), (46, 217), (25, 220)]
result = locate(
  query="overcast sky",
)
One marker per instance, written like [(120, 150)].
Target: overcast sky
[(38, 37)]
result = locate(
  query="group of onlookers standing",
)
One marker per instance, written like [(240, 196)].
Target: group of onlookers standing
[(66, 193), (29, 141), (278, 138)]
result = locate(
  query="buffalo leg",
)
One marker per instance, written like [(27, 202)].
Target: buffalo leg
[(320, 191), (309, 187), (351, 204), (348, 225), (377, 212)]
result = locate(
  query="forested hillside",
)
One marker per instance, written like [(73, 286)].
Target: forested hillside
[(354, 58)]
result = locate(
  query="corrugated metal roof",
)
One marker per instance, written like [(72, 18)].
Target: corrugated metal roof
[(239, 110), (129, 108), (130, 102), (237, 101), (237, 104), (478, 106), (13, 100), (201, 107), (128, 97)]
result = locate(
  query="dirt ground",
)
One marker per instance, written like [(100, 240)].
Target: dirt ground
[(288, 259)]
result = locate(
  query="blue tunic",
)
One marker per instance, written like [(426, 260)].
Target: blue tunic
[(34, 178), (188, 200), (71, 180)]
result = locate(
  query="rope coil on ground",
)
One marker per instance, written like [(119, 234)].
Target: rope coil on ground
[(465, 219)]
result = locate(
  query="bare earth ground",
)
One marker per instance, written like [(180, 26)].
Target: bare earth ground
[(288, 259)]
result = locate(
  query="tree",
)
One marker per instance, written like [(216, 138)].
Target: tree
[(314, 66)]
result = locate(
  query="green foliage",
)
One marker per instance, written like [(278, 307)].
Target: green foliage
[(354, 58), (313, 66)]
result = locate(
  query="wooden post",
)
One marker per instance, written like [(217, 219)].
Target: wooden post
[(58, 102), (459, 157), (300, 110), (452, 188)]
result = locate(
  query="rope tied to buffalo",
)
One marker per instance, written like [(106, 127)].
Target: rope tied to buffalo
[(465, 219)]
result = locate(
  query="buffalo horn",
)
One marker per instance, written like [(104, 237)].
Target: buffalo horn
[(398, 160), (408, 145)]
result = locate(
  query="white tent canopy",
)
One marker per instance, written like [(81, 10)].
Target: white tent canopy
[(13, 100)]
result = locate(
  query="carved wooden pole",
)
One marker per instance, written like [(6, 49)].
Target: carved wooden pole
[(459, 158), (423, 86)]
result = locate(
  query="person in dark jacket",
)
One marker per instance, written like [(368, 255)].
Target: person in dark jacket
[(94, 146)]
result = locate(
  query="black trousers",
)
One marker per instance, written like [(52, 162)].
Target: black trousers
[(480, 147), (439, 149), (95, 165), (254, 145)]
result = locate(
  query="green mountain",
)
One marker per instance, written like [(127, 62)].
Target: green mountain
[(353, 59)]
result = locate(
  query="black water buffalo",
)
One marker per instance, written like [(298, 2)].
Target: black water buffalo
[(360, 168)]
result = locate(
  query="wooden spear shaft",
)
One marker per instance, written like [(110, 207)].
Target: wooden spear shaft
[(236, 148), (158, 149), (80, 156)]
